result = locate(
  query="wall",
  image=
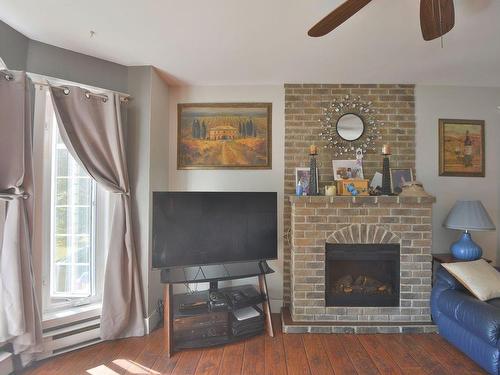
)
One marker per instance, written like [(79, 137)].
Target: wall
[(234, 180), (159, 139), (22, 53), (72, 66), (138, 158), (477, 103), (147, 156), (304, 105), (13, 47)]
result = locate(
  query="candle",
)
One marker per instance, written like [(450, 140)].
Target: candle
[(313, 150), (386, 150)]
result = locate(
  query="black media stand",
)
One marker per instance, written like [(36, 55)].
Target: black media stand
[(191, 322)]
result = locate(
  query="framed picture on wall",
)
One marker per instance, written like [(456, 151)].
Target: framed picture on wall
[(461, 148), (224, 136)]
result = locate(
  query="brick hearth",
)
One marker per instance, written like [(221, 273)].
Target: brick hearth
[(402, 220)]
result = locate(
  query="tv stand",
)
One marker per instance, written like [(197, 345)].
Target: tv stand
[(212, 274)]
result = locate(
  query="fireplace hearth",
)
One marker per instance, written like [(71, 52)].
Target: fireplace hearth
[(362, 275)]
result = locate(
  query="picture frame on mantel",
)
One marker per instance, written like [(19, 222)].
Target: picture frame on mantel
[(461, 148), (224, 136)]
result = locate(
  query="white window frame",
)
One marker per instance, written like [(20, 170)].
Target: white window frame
[(100, 203), (54, 295)]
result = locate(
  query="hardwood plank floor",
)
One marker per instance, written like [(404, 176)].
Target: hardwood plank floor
[(285, 354)]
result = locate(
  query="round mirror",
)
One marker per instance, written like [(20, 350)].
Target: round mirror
[(350, 127)]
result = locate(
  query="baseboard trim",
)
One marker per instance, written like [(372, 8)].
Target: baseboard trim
[(276, 305), (152, 321)]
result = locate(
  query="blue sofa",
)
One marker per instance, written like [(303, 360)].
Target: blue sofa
[(473, 326)]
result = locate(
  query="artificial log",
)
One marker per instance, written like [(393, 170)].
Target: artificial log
[(361, 285)]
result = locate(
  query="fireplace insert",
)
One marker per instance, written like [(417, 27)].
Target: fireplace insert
[(362, 275)]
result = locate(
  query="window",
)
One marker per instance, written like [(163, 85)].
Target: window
[(72, 245), (71, 219)]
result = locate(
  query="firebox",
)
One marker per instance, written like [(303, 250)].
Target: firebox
[(362, 275)]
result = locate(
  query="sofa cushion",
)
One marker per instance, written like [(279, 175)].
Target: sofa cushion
[(479, 277)]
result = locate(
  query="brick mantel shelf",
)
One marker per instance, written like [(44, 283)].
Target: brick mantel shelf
[(406, 221)]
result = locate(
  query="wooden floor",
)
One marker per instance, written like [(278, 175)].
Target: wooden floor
[(299, 354)]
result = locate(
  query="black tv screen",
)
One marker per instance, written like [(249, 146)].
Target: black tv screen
[(199, 228)]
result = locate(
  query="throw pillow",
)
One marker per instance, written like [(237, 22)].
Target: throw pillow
[(478, 276)]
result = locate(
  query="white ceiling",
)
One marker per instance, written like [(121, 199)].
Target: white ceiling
[(219, 42)]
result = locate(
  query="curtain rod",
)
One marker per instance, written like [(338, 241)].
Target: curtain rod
[(61, 84)]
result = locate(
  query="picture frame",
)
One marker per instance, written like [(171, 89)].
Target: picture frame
[(344, 169), (224, 136), (461, 148), (304, 174), (400, 176)]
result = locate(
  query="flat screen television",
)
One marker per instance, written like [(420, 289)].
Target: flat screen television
[(202, 228)]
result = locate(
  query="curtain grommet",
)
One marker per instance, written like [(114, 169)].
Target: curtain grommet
[(66, 90)]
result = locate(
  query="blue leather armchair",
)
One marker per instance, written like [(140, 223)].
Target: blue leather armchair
[(473, 326)]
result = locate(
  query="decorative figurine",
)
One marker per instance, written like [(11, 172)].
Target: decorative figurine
[(299, 190), (352, 189)]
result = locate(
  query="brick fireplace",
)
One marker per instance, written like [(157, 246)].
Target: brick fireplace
[(360, 264)]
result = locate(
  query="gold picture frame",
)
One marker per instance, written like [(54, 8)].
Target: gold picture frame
[(461, 148), (224, 136)]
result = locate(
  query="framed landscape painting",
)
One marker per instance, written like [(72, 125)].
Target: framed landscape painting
[(461, 148), (224, 136)]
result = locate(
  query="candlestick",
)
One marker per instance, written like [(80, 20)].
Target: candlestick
[(386, 176), (313, 150), (386, 150), (313, 181)]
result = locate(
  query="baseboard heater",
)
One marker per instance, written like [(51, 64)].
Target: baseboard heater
[(71, 336), (6, 365)]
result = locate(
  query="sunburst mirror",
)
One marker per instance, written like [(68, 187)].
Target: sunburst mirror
[(348, 124)]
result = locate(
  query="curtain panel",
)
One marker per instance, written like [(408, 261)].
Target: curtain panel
[(91, 128), (20, 322)]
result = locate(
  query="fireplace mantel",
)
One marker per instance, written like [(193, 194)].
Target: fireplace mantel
[(318, 220), (361, 200)]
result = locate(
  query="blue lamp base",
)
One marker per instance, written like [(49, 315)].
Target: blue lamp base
[(465, 248)]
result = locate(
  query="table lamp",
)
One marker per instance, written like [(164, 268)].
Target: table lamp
[(467, 216)]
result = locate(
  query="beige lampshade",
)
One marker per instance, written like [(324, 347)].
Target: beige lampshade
[(469, 215)]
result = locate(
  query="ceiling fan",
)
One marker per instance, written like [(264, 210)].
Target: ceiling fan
[(437, 17)]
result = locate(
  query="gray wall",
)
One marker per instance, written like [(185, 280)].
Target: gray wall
[(13, 47), (22, 53), (158, 170), (147, 154), (474, 103), (72, 66), (138, 156)]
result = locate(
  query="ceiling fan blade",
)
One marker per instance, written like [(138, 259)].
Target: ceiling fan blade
[(337, 17), (437, 17)]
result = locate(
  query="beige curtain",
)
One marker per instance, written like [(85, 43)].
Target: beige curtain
[(20, 321), (92, 130)]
